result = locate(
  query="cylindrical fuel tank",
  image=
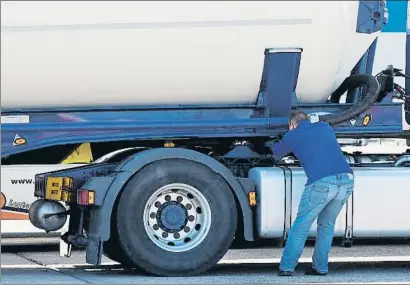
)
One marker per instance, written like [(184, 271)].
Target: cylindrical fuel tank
[(86, 53)]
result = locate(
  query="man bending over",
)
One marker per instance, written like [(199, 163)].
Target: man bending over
[(329, 185)]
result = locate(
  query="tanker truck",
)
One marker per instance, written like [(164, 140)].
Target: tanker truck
[(182, 97)]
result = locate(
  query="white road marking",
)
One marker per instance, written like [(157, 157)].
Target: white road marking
[(360, 259), (331, 259), (26, 266), (57, 266)]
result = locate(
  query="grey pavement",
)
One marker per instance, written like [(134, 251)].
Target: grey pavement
[(363, 263)]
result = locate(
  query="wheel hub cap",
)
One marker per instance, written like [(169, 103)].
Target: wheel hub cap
[(172, 217)]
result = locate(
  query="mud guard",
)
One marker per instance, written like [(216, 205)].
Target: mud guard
[(131, 165)]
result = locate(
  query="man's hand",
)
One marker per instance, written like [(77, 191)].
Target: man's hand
[(269, 144), (279, 146), (280, 136)]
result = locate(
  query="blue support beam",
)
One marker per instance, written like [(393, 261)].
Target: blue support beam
[(407, 71), (279, 77), (364, 66)]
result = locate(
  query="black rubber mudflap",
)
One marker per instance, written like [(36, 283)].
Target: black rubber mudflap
[(94, 250)]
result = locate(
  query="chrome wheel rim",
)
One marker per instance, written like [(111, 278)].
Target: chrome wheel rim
[(177, 217)]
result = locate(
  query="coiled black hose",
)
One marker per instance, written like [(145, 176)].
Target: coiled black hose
[(373, 89), (402, 160)]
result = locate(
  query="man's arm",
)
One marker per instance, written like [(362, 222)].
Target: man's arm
[(281, 148)]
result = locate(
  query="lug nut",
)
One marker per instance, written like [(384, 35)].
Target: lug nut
[(155, 227), (157, 204), (164, 235), (152, 215), (167, 198), (191, 218), (188, 207), (187, 229), (176, 235)]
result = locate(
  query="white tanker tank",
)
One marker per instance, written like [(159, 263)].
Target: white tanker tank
[(80, 53)]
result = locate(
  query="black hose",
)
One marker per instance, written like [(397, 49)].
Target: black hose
[(402, 160), (373, 89)]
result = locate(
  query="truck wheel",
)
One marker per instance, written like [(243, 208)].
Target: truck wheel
[(176, 218), (113, 250)]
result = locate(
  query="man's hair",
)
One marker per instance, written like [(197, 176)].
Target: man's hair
[(296, 116)]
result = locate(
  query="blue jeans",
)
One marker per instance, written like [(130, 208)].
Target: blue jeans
[(323, 199)]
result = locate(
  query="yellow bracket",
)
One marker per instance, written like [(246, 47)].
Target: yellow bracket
[(59, 188)]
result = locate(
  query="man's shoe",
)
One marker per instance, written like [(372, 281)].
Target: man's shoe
[(285, 273), (315, 273)]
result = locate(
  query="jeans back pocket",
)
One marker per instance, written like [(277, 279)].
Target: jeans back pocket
[(318, 193)]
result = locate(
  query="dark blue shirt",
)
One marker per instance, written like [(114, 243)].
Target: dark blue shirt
[(316, 147)]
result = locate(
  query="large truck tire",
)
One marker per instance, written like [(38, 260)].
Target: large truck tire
[(113, 250), (176, 217)]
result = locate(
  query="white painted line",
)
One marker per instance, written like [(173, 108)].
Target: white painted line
[(27, 266), (62, 266), (331, 259), (57, 266), (359, 259)]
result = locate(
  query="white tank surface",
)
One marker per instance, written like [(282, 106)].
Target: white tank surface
[(86, 53)]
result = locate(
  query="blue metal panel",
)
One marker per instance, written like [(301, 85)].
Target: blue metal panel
[(53, 129), (371, 17), (279, 77), (46, 129), (364, 66), (397, 17), (407, 70), (386, 118), (371, 52)]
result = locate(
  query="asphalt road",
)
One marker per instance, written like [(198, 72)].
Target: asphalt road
[(363, 263)]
